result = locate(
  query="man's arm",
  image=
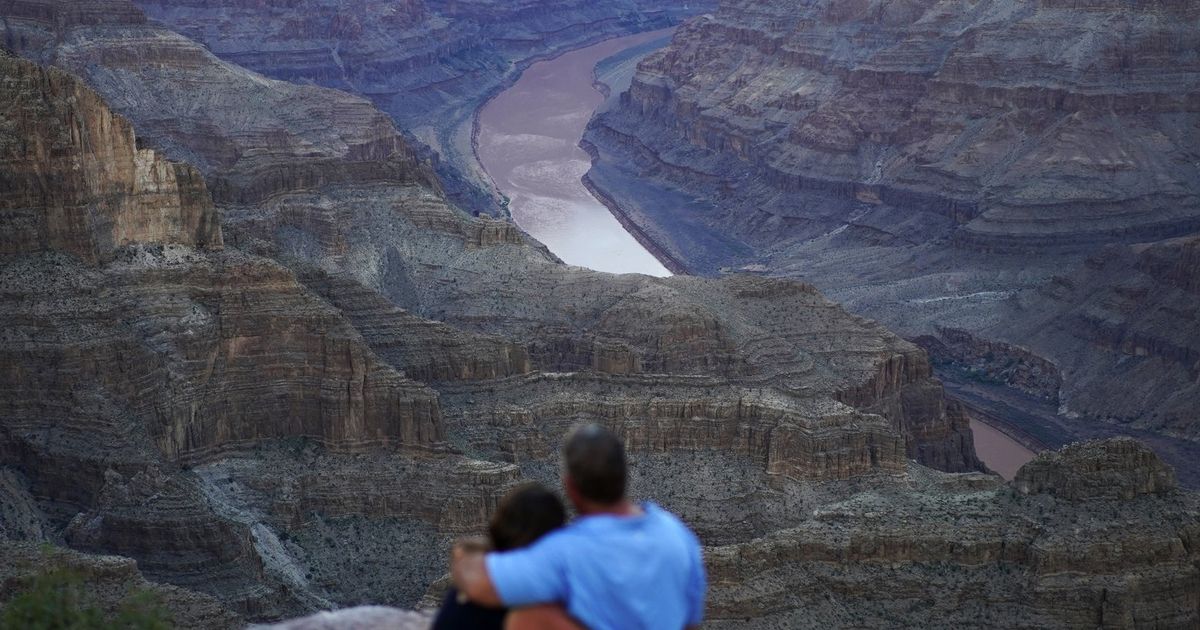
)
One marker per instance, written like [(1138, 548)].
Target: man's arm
[(468, 567)]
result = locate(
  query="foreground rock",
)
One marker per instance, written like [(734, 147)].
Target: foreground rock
[(990, 170), (361, 618), (109, 582)]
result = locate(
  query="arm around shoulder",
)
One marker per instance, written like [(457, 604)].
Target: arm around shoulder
[(468, 567)]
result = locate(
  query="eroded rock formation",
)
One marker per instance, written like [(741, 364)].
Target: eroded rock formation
[(80, 185), (427, 63), (215, 380), (954, 170), (305, 418), (1124, 329), (1095, 536)]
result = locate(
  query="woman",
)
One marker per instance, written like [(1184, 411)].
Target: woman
[(524, 515)]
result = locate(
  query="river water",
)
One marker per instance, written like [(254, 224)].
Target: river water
[(1000, 452), (528, 142)]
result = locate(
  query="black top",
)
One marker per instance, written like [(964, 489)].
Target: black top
[(456, 616)]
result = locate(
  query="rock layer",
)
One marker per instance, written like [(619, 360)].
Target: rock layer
[(79, 184), (305, 419), (121, 368), (1059, 547), (940, 167), (428, 63), (1124, 329)]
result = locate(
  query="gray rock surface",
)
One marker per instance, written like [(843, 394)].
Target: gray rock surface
[(988, 168), (304, 419)]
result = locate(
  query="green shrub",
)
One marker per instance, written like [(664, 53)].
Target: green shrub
[(59, 600)]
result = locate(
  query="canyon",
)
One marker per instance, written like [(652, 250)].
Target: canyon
[(1012, 185), (429, 64), (258, 360)]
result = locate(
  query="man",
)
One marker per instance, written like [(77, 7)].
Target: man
[(618, 566)]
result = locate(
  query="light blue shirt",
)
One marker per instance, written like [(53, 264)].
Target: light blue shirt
[(611, 572)]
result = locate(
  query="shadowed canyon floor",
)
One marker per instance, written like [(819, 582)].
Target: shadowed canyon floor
[(284, 378)]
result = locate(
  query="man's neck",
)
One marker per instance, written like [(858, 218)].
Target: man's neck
[(624, 507)]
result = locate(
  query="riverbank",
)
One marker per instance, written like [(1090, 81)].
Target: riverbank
[(608, 84), (509, 80), (672, 263), (530, 141)]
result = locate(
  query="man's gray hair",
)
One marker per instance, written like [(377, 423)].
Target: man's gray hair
[(595, 461)]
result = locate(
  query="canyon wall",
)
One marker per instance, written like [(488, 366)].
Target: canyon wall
[(306, 417), (168, 400), (81, 185), (1124, 329), (1056, 548), (958, 171), (429, 64)]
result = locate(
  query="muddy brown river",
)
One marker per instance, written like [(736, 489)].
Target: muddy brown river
[(1000, 452), (528, 142)]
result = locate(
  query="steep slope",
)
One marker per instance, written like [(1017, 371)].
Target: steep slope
[(129, 361), (1094, 536), (427, 63), (922, 163), (238, 422), (1128, 313), (84, 187)]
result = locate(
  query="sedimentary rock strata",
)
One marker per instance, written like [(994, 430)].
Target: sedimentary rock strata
[(427, 63), (282, 137), (1124, 329), (214, 381), (1094, 536), (80, 185), (124, 368), (923, 164), (1015, 123), (305, 418)]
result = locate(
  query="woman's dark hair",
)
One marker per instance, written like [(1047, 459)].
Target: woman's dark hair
[(524, 515)]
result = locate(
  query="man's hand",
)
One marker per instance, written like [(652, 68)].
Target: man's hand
[(469, 571)]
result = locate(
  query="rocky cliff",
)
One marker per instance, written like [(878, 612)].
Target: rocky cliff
[(428, 63), (81, 185), (924, 163), (216, 381), (305, 418), (128, 362), (1124, 329), (1096, 536)]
